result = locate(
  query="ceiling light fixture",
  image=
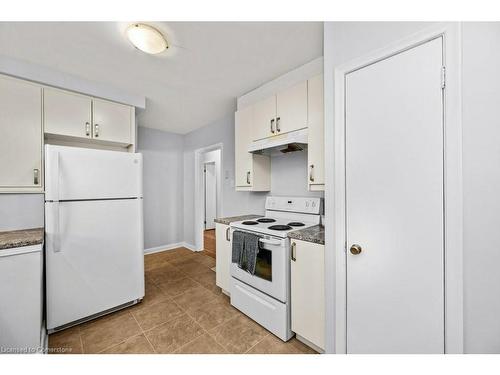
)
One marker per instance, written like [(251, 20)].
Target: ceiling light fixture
[(146, 38)]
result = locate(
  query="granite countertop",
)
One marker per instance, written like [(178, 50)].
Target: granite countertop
[(228, 220), (19, 238), (314, 234)]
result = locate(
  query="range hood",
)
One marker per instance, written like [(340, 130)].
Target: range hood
[(280, 144)]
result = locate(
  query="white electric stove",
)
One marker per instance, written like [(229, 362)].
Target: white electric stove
[(265, 295)]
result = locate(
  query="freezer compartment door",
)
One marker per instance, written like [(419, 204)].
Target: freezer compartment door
[(97, 262), (73, 173)]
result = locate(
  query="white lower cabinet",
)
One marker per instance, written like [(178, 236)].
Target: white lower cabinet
[(308, 291), (222, 257), (21, 296)]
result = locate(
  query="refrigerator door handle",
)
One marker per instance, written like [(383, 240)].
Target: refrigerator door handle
[(55, 177), (52, 170), (56, 245)]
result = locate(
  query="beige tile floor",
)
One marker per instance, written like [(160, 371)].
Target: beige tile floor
[(183, 312)]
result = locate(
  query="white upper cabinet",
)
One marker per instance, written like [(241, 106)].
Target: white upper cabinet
[(316, 134), (291, 108), (76, 116), (20, 135), (112, 121), (252, 172), (264, 123), (67, 113), (281, 113), (242, 138), (297, 107)]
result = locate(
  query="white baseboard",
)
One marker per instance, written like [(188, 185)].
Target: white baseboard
[(158, 249), (189, 246), (171, 246)]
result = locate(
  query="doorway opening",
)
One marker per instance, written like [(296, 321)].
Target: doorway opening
[(208, 196)]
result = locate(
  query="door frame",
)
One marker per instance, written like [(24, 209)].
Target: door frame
[(335, 255), (199, 193), (205, 191)]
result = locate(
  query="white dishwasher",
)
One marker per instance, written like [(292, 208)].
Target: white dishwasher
[(21, 298)]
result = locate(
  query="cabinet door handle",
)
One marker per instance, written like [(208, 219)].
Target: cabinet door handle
[(278, 129), (248, 177), (311, 176), (36, 176), (272, 126), (293, 253), (87, 128), (96, 130), (227, 234)]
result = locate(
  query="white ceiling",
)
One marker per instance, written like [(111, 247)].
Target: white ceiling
[(192, 84)]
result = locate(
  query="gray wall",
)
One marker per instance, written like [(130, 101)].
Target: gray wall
[(21, 211), (481, 159), (233, 203), (163, 186), (288, 175), (481, 168)]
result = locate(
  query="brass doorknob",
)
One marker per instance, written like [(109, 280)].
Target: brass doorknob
[(355, 249)]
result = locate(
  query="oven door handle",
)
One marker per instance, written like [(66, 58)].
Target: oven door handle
[(269, 242)]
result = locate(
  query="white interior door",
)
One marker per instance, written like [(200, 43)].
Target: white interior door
[(210, 195), (394, 203)]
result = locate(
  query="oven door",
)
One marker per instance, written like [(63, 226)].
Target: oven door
[(271, 271)]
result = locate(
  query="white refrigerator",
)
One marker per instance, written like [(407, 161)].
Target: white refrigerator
[(93, 233)]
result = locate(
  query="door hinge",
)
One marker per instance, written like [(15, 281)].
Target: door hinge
[(443, 77)]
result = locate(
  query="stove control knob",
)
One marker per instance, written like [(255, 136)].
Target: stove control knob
[(307, 203), (313, 204)]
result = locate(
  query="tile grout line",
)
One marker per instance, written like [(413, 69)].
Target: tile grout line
[(195, 322), (258, 342), (159, 325), (81, 340), (119, 343), (125, 339), (203, 328), (185, 311), (144, 334), (215, 338), (171, 299)]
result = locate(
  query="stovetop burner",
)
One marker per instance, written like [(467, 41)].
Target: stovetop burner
[(296, 224), (249, 222), (280, 227), (266, 220)]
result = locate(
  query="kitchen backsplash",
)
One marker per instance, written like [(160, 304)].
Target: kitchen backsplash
[(21, 211)]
